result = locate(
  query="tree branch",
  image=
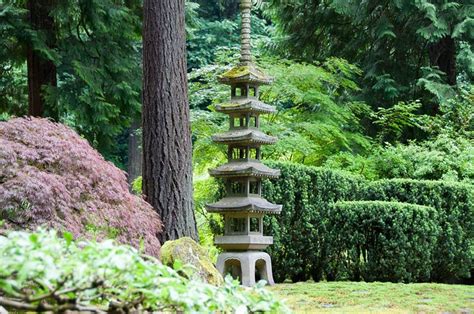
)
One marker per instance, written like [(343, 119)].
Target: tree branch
[(20, 305)]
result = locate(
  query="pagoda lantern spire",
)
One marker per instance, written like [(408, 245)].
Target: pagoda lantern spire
[(243, 207), (245, 43)]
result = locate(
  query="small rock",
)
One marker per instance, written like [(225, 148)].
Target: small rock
[(327, 305)]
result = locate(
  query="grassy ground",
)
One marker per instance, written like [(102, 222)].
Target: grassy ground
[(360, 297)]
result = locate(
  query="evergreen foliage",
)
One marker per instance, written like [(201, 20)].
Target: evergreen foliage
[(381, 241), (442, 158), (400, 44), (98, 92), (306, 241), (454, 203), (300, 249), (446, 154)]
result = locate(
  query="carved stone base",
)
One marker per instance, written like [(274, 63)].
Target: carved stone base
[(245, 266)]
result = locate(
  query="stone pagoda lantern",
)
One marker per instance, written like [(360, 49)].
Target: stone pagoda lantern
[(243, 207)]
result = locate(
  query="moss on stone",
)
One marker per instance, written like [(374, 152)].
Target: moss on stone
[(189, 252), (243, 70), (237, 71), (230, 105)]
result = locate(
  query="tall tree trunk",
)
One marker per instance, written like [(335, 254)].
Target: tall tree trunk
[(443, 55), (41, 72), (167, 148), (135, 158)]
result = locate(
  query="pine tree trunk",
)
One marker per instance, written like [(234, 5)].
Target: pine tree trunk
[(41, 72), (135, 159), (443, 55), (167, 149)]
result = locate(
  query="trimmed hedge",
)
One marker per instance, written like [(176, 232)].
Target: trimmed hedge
[(299, 250), (383, 241), (303, 246), (454, 202)]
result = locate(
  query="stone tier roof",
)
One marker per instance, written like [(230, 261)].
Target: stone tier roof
[(243, 136), (245, 168), (252, 204), (244, 105), (245, 74), (243, 242)]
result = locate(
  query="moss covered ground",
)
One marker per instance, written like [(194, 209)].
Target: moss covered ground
[(361, 297)]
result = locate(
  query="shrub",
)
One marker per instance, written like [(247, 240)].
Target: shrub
[(444, 157), (42, 272), (299, 249), (383, 241), (50, 176), (454, 202), (302, 233)]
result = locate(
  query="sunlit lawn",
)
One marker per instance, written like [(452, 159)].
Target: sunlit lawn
[(350, 297)]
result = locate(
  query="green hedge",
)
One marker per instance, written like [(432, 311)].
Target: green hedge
[(302, 248), (454, 202), (299, 250), (383, 241)]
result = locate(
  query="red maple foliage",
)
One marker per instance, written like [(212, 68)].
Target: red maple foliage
[(50, 176)]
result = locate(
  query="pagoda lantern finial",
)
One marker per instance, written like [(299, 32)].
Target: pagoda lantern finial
[(243, 207), (245, 45)]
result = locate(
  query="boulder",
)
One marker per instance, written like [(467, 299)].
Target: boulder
[(189, 252), (50, 176)]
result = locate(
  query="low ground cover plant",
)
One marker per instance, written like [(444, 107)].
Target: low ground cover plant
[(41, 271)]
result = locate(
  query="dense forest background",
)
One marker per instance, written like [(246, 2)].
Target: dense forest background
[(380, 88)]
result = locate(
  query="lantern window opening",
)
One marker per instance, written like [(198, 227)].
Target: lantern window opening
[(254, 121), (243, 153), (240, 91), (237, 188), (237, 225), (245, 121), (255, 224), (255, 187), (253, 92)]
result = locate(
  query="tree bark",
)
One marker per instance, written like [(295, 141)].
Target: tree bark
[(443, 55), (41, 72), (167, 148), (135, 158)]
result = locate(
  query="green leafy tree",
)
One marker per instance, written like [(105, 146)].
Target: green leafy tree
[(317, 113), (96, 55), (210, 32), (446, 154), (393, 41)]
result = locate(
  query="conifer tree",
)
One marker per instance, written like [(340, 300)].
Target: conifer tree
[(41, 71), (167, 147)]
